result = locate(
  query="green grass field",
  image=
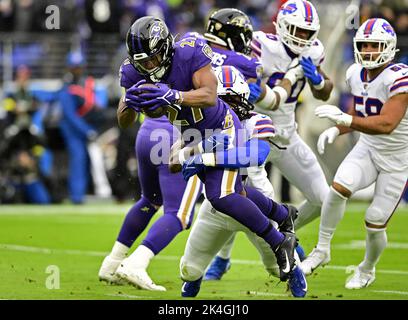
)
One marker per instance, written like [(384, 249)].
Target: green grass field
[(76, 239)]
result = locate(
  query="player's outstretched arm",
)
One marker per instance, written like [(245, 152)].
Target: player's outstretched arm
[(389, 118), (325, 91)]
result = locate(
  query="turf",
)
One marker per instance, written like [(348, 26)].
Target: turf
[(76, 239)]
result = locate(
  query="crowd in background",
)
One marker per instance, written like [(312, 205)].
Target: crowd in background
[(48, 153)]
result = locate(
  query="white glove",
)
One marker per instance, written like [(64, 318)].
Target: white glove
[(327, 136), (334, 114), (295, 71)]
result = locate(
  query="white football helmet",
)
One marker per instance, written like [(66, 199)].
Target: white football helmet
[(233, 89), (296, 14), (378, 31)]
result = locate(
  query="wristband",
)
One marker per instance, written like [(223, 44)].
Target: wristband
[(208, 159), (320, 86), (282, 94), (269, 100)]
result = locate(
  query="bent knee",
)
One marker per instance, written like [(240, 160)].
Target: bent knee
[(376, 218), (189, 271), (341, 190)]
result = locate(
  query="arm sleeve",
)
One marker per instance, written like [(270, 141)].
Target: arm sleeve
[(399, 82), (254, 153)]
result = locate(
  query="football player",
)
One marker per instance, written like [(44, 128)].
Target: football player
[(296, 40), (213, 228), (186, 85), (380, 90)]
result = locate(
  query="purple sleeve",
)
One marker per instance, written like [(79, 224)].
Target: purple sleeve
[(202, 55), (128, 75)]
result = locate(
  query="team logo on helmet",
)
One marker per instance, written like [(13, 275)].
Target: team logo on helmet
[(240, 22), (388, 28), (155, 34), (289, 9)]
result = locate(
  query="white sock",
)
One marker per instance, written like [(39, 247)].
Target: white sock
[(332, 212), (376, 241), (307, 213), (119, 251), (141, 257), (225, 251)]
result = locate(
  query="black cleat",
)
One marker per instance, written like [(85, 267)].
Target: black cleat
[(285, 255), (288, 225)]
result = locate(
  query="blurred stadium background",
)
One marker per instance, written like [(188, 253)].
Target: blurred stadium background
[(34, 154)]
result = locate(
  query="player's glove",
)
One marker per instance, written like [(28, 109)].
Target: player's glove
[(255, 91), (327, 136), (310, 71), (216, 142), (334, 114), (160, 95), (132, 98), (192, 166)]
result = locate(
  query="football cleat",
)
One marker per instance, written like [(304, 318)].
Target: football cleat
[(288, 225), (190, 289), (108, 269), (285, 255), (360, 279), (315, 259), (218, 267), (297, 283), (137, 277), (301, 253)]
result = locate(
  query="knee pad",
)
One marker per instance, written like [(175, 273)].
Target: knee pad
[(149, 204), (376, 219), (188, 271)]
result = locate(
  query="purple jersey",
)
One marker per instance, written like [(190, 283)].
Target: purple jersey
[(190, 55), (249, 67)]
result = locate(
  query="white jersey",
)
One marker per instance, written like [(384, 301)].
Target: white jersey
[(275, 59), (259, 126), (370, 96)]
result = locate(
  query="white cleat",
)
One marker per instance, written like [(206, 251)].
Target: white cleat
[(107, 272), (315, 259), (360, 279), (137, 277)]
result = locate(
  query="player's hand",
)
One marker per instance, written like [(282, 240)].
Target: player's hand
[(311, 72), (216, 142), (160, 95), (334, 114), (294, 72), (132, 98), (255, 90), (192, 166), (327, 136)]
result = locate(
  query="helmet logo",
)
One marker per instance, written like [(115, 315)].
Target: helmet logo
[(239, 21), (388, 29), (155, 34), (289, 9)]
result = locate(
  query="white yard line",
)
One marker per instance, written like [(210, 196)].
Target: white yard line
[(130, 296), (361, 244), (13, 247), (405, 293)]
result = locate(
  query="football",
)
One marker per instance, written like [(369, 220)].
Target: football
[(159, 112)]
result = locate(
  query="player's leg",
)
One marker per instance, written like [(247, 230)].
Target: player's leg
[(179, 200), (223, 189), (388, 192), (222, 261), (300, 166), (356, 172), (207, 236), (138, 217)]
